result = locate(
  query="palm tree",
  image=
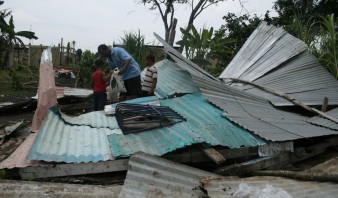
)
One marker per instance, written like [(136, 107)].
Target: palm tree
[(9, 37)]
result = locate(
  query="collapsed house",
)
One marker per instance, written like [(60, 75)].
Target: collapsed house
[(246, 121)]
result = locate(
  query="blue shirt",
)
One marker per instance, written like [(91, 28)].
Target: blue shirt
[(118, 58)]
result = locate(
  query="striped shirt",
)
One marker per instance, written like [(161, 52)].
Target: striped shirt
[(148, 81)]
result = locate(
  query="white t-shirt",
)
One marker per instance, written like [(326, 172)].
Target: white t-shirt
[(150, 75)]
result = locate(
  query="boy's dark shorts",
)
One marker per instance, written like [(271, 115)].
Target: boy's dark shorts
[(100, 99), (133, 85)]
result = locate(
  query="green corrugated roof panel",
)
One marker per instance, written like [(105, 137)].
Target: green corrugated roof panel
[(205, 124), (172, 80)]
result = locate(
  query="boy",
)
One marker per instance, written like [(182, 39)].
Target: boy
[(150, 78), (99, 86)]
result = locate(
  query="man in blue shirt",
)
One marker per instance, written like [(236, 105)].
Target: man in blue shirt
[(128, 68)]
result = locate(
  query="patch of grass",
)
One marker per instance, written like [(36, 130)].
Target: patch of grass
[(2, 174), (8, 94)]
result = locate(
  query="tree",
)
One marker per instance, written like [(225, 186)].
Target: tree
[(134, 44), (78, 55), (233, 35), (9, 37), (167, 11)]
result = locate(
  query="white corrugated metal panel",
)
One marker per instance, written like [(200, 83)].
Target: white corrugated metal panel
[(70, 91), (264, 50), (320, 121), (275, 59), (227, 186), (258, 115), (150, 176), (303, 78)]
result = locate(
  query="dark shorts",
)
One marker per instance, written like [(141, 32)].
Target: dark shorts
[(100, 99), (145, 94), (133, 86)]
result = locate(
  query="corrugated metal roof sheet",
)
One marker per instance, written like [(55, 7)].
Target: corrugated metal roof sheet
[(96, 119), (69, 91), (172, 80), (320, 121), (84, 138), (150, 176), (275, 59), (227, 186), (251, 111), (205, 124), (265, 49), (61, 142), (259, 116)]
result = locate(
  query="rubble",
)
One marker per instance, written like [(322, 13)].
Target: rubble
[(228, 127)]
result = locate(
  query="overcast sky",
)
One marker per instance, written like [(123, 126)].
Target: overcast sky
[(92, 22)]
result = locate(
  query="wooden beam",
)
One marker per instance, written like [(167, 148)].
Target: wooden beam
[(253, 165), (60, 170), (277, 161), (213, 154), (300, 175), (198, 156)]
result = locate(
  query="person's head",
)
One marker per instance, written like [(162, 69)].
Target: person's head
[(99, 63), (104, 50), (150, 60)]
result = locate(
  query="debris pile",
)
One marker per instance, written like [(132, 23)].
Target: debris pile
[(261, 116)]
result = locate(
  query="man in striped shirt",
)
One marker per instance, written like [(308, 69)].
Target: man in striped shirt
[(150, 78)]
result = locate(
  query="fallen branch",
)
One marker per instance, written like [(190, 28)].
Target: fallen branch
[(299, 175), (287, 97)]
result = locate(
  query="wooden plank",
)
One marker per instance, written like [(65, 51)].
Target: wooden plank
[(253, 165), (31, 189), (213, 154), (300, 175), (198, 156), (60, 170), (277, 161)]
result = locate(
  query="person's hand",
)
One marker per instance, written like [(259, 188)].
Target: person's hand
[(150, 93), (121, 71)]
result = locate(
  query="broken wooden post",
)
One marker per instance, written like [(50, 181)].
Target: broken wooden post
[(325, 103)]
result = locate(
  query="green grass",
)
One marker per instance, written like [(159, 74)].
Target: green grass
[(2, 174), (9, 94)]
